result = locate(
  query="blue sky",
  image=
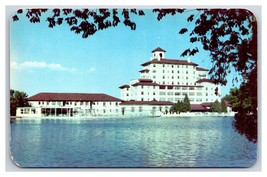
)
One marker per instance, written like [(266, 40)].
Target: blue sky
[(46, 59)]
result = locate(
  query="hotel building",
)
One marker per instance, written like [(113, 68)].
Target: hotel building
[(162, 83), (165, 79)]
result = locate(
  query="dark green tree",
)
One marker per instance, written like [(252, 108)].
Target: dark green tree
[(173, 108), (179, 106), (224, 106), (186, 104), (229, 35), (216, 107), (245, 104), (17, 99)]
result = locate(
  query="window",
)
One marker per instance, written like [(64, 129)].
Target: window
[(172, 66), (162, 93), (170, 93), (172, 77), (154, 71), (163, 71), (154, 93), (191, 93), (116, 103), (110, 103), (172, 71), (154, 65), (178, 72), (132, 109), (199, 94), (186, 66), (191, 88), (104, 104), (39, 102), (184, 88), (163, 77), (206, 94), (163, 65), (140, 109), (186, 72), (142, 87), (127, 94), (177, 93), (160, 55)]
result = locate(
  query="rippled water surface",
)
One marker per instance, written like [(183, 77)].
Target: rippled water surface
[(131, 142)]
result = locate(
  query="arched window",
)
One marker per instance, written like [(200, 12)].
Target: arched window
[(160, 55)]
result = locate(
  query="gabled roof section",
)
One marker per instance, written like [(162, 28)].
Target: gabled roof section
[(201, 69), (144, 71), (44, 96), (145, 80), (145, 84), (169, 61), (158, 49), (124, 86)]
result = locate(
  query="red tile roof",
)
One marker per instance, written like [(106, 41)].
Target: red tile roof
[(145, 80), (158, 49), (169, 61), (72, 97), (145, 84), (201, 69), (124, 86), (205, 80), (198, 107), (154, 102), (144, 70), (206, 104)]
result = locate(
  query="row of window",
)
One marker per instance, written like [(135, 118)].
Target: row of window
[(172, 66), (181, 93), (172, 71), (154, 108), (60, 103), (181, 99), (27, 111)]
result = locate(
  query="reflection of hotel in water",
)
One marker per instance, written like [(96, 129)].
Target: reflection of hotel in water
[(162, 82)]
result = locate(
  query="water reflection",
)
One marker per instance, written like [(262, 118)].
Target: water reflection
[(146, 142)]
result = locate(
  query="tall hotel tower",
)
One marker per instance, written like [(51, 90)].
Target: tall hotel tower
[(165, 79)]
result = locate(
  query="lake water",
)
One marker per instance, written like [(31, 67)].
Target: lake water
[(131, 142)]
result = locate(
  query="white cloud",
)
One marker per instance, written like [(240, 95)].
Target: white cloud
[(40, 65), (91, 69)]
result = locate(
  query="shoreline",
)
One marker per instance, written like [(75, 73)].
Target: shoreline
[(181, 115)]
